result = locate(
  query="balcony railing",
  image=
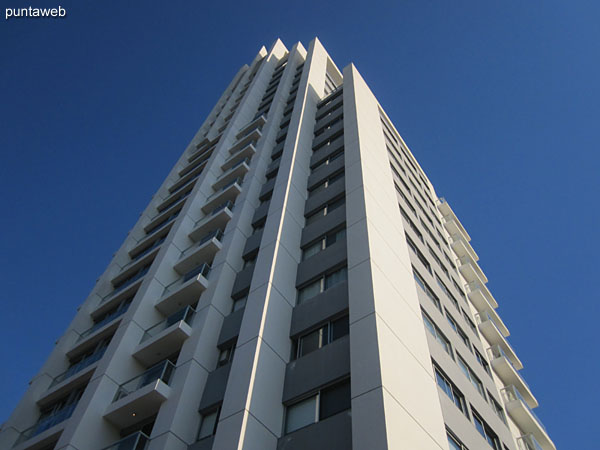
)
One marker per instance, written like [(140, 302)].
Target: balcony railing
[(217, 234), (495, 351), (135, 441), (119, 312), (128, 282), (186, 314), (161, 371), (47, 422), (145, 252), (78, 367), (228, 204), (238, 180), (511, 394), (203, 270), (528, 442)]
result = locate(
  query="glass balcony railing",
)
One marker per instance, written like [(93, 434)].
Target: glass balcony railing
[(218, 209), (127, 282), (495, 351), (217, 234), (109, 318), (161, 371), (186, 314), (135, 441), (78, 367), (162, 223), (144, 252), (203, 270), (511, 393), (528, 442), (235, 166), (238, 180), (47, 422)]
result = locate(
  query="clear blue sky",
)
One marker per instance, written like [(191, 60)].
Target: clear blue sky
[(499, 101)]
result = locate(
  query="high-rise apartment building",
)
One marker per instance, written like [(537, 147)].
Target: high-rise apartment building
[(295, 283)]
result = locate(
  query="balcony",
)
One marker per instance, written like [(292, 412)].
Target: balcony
[(509, 374), (227, 193), (451, 222), (462, 248), (494, 336), (135, 441), (141, 397), (217, 218), (195, 165), (237, 171), (185, 180), (163, 217), (147, 241), (137, 256), (482, 298), (256, 123), (246, 152), (174, 199), (252, 136), (46, 429), (160, 340), (76, 375), (525, 418), (471, 270), (184, 291), (204, 250), (124, 283), (528, 442)]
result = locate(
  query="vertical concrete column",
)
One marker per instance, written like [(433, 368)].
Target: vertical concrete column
[(395, 403)]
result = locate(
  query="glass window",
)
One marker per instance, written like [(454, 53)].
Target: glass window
[(340, 328), (476, 382), (436, 332), (427, 289), (239, 304), (336, 277), (301, 414), (451, 391), (334, 399), (454, 444), (208, 424), (312, 341), (309, 291)]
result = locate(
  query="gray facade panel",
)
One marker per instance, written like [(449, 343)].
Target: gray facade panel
[(231, 327), (204, 444), (242, 282), (331, 303), (329, 134), (329, 118), (323, 225), (252, 243), (214, 390), (317, 369), (317, 264), (318, 200), (324, 152), (267, 188), (333, 433), (260, 213), (321, 174)]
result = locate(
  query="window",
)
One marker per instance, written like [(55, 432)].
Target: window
[(458, 289), (446, 291), (423, 285), (476, 382), (239, 304), (417, 252), (437, 333), (454, 443), (485, 430), (437, 260), (451, 391), (458, 330), (226, 354), (208, 423), (325, 403), (328, 182), (323, 242), (497, 408), (327, 209), (329, 160), (320, 337), (469, 322), (482, 361), (322, 284), (250, 261)]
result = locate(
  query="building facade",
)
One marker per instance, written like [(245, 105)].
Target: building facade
[(295, 283)]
